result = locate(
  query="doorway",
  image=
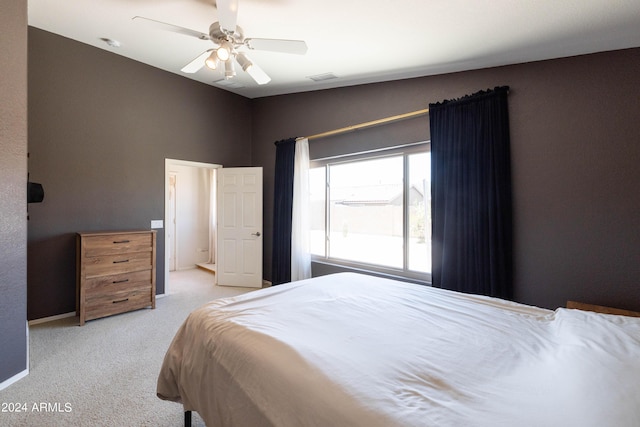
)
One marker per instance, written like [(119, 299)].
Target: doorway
[(188, 206)]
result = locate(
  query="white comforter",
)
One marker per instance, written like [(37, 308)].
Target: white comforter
[(355, 350)]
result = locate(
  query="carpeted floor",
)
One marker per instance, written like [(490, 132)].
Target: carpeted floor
[(104, 373)]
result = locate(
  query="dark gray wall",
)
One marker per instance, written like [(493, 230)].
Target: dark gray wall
[(100, 128), (575, 152), (13, 175)]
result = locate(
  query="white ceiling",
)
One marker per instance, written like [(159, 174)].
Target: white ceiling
[(360, 41)]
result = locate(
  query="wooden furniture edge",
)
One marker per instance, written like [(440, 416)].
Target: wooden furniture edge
[(109, 232), (154, 242), (601, 309)]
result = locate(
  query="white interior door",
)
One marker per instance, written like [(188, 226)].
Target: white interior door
[(239, 236)]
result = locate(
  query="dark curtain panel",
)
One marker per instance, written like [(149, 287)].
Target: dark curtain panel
[(471, 204), (282, 208)]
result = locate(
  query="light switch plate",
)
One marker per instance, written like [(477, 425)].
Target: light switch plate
[(157, 223)]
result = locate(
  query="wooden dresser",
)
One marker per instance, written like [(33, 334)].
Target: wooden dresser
[(116, 272)]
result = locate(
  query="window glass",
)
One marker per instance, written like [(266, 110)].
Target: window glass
[(374, 211), (366, 211)]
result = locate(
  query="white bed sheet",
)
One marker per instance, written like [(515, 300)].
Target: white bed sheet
[(356, 350)]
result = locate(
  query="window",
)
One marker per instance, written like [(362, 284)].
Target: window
[(374, 211)]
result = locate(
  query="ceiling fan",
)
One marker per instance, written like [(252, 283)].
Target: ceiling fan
[(229, 41)]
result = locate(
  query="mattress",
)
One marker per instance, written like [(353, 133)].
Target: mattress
[(356, 350)]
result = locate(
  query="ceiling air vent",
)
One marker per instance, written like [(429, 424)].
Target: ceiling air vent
[(322, 77), (229, 83)]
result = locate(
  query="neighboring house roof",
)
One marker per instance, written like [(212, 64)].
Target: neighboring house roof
[(384, 194)]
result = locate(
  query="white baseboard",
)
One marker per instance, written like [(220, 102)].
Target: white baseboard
[(14, 379), (51, 318), (64, 315), (26, 326), (17, 377)]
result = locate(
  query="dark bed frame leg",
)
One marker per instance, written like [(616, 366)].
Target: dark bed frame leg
[(187, 418)]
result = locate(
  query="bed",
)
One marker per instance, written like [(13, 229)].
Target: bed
[(355, 350)]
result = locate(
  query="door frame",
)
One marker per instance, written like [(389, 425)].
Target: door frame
[(170, 223), (167, 167)]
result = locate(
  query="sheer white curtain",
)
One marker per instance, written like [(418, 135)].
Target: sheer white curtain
[(300, 249)]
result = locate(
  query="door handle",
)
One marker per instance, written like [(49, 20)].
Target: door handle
[(257, 234)]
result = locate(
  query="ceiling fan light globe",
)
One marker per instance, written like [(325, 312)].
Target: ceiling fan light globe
[(244, 62), (224, 51), (229, 70), (212, 61), (222, 54), (253, 70)]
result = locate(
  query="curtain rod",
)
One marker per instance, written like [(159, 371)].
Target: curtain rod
[(368, 124)]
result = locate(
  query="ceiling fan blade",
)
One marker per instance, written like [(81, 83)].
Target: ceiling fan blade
[(252, 69), (195, 65), (227, 15), (170, 27), (297, 47)]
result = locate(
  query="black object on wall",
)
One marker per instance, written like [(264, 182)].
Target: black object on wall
[(35, 192)]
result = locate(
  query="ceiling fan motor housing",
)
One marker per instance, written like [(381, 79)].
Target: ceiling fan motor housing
[(216, 33)]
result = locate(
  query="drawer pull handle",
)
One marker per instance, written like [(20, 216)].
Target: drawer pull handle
[(121, 300), (119, 262), (121, 281), (121, 241)]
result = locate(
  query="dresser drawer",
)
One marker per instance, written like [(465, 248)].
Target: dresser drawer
[(114, 282), (117, 244), (117, 302), (117, 264), (117, 294)]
